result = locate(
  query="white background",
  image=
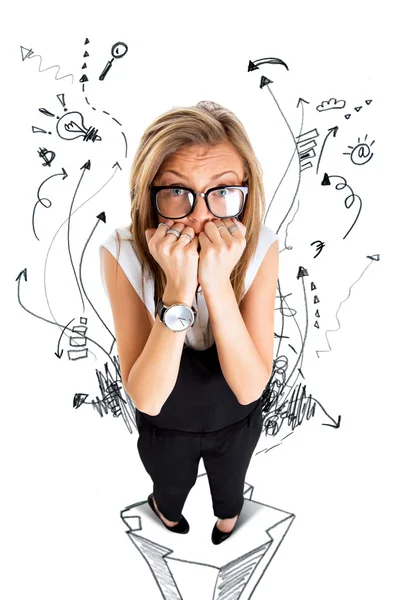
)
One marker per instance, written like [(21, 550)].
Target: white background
[(66, 473)]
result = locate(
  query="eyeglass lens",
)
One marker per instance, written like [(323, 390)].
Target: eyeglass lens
[(175, 203)]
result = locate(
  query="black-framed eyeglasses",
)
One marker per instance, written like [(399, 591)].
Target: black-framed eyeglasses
[(177, 202)]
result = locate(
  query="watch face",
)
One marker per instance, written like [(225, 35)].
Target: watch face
[(178, 317)]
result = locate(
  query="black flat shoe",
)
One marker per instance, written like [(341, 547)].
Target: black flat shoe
[(218, 536), (181, 527)]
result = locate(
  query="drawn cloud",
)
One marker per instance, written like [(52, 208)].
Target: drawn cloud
[(331, 104)]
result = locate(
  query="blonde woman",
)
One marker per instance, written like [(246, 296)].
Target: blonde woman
[(191, 282)]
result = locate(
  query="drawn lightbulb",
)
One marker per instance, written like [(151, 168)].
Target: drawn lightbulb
[(71, 126)]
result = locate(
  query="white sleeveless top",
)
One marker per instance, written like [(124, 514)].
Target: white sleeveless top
[(200, 336)]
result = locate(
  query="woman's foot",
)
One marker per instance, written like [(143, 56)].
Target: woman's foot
[(169, 523), (226, 525)]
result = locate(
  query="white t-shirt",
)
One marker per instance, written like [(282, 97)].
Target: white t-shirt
[(200, 336)]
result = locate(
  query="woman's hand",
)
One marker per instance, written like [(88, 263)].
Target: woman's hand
[(220, 252), (178, 257)]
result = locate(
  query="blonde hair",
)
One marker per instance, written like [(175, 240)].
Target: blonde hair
[(206, 123)]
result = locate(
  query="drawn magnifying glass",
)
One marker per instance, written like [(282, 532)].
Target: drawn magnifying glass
[(117, 51)]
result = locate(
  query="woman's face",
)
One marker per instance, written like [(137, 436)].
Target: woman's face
[(196, 167)]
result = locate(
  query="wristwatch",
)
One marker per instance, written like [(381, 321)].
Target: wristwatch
[(177, 317)]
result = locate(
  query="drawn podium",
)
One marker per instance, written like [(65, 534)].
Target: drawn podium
[(189, 566)]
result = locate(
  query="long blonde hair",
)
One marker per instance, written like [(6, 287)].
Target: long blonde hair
[(206, 123)]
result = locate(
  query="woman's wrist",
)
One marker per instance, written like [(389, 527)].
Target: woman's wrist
[(174, 295)]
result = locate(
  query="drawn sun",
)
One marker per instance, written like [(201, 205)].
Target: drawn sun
[(361, 153)]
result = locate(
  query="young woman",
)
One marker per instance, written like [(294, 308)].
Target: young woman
[(192, 293)]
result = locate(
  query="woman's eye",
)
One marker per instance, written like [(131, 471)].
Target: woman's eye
[(176, 190)]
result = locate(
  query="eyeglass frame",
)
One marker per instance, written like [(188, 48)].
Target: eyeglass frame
[(154, 189)]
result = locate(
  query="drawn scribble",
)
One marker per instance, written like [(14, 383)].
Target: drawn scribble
[(110, 386), (42, 200), (25, 53), (296, 407), (319, 245), (361, 153), (47, 155), (374, 257), (352, 196), (286, 404), (111, 400)]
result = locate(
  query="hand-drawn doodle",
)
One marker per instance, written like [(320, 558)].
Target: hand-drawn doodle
[(331, 104), (361, 153), (333, 131), (84, 77), (42, 201), (305, 146), (47, 155), (352, 196), (233, 570), (71, 130), (374, 257), (230, 571), (357, 109), (28, 54), (71, 126), (117, 51), (319, 244)]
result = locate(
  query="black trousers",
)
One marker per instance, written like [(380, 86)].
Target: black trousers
[(171, 458)]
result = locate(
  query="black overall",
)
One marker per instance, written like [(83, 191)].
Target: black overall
[(201, 418)]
